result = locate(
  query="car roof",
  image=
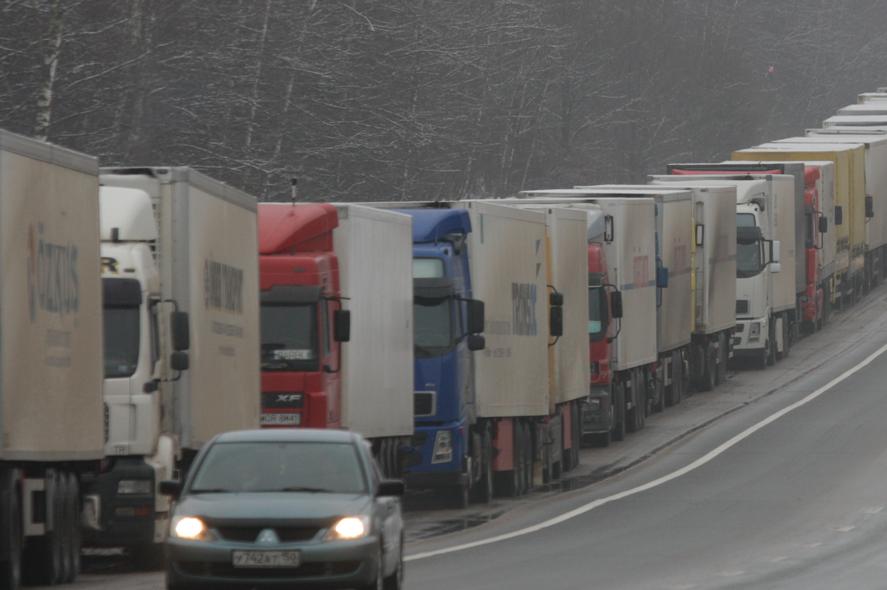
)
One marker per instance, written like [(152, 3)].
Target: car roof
[(288, 435)]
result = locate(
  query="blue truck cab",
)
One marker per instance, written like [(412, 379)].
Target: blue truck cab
[(447, 325)]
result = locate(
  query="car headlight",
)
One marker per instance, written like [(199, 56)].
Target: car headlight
[(443, 447), (349, 528), (190, 528), (132, 487)]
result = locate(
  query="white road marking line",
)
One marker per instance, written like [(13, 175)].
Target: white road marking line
[(704, 459)]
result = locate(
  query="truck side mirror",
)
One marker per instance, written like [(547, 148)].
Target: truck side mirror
[(556, 321), (476, 342), (823, 225), (616, 304), (171, 487), (608, 228), (869, 207), (475, 316), (178, 361), (180, 330), (700, 235), (662, 277), (342, 325), (839, 215), (556, 299)]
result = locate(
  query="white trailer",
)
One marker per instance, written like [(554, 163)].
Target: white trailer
[(629, 239), (866, 109), (569, 372), (674, 293), (870, 97), (51, 419), (180, 275), (375, 248), (856, 121)]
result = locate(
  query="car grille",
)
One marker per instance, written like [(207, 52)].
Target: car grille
[(307, 570), (742, 306), (248, 534), (423, 403)]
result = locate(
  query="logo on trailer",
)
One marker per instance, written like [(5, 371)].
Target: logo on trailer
[(222, 287), (523, 312), (53, 282)]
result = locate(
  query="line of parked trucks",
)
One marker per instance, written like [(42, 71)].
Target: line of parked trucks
[(478, 344)]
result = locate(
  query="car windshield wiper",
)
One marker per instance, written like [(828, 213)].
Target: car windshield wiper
[(306, 489)]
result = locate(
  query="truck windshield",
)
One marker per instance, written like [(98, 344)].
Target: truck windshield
[(289, 337), (121, 341), (597, 313), (749, 261), (434, 326)]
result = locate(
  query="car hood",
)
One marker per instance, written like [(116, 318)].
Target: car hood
[(279, 506)]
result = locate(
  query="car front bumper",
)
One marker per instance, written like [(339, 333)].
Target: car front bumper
[(337, 564)]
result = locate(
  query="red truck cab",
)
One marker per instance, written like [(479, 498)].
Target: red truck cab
[(813, 300), (302, 323)]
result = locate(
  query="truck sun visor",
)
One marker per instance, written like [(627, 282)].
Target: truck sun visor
[(121, 293)]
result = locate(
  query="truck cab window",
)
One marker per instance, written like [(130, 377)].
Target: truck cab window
[(289, 337)]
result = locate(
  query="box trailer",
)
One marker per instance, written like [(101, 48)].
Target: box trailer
[(52, 431)]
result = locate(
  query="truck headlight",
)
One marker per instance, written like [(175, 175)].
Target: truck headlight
[(189, 528), (754, 331), (443, 447), (349, 528), (133, 487)]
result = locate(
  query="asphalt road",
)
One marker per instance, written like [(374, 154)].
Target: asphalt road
[(800, 503)]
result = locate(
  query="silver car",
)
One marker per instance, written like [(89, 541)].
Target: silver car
[(285, 508)]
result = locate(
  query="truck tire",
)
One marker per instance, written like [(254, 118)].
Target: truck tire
[(65, 529), (76, 535), (11, 569), (771, 346), (708, 379), (619, 413), (637, 416), (43, 557)]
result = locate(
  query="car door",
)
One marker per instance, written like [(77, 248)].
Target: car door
[(388, 510)]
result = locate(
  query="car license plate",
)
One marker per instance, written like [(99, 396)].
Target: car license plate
[(266, 559), (280, 419)]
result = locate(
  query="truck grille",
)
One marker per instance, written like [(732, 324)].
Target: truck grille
[(742, 306), (423, 403)]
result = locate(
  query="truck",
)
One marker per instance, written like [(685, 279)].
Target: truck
[(52, 422), (856, 121), (765, 297), (864, 109), (710, 270), (875, 143), (626, 227), (849, 210), (872, 97), (179, 268), (331, 275), (481, 276), (815, 275)]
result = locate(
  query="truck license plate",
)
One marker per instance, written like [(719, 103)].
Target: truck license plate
[(266, 559), (280, 419)]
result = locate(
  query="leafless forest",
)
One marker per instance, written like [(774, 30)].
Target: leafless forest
[(422, 99)]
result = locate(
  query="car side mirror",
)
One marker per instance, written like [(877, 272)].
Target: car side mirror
[(839, 215), (616, 304), (391, 487), (180, 329), (823, 225), (342, 325), (171, 488), (179, 361), (476, 315), (476, 342)]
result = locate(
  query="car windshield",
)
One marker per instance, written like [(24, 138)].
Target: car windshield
[(596, 313), (253, 467), (121, 341), (289, 337), (748, 256), (434, 326)]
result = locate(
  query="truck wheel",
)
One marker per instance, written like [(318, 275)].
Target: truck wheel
[(65, 529), (43, 557), (709, 376), (619, 413), (659, 395), (11, 570), (771, 346)]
